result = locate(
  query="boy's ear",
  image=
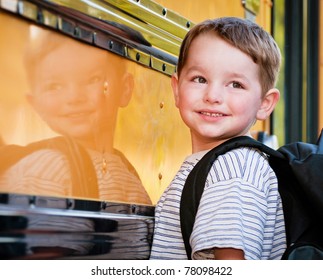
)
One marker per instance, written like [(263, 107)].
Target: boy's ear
[(128, 85), (174, 83), (268, 104)]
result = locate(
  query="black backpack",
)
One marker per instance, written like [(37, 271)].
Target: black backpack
[(299, 170)]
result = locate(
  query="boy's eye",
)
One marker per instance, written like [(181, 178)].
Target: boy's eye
[(199, 79), (236, 85), (54, 87), (94, 79)]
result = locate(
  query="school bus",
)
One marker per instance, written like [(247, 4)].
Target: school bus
[(59, 200)]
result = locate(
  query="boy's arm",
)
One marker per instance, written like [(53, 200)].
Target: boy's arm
[(228, 254)]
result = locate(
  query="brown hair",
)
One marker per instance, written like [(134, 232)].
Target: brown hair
[(43, 41), (245, 35)]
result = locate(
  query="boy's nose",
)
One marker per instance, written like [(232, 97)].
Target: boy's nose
[(213, 94), (74, 94)]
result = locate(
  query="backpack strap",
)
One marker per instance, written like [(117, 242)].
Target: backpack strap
[(195, 182), (319, 143)]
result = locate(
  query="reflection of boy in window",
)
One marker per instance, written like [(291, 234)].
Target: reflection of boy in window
[(77, 90)]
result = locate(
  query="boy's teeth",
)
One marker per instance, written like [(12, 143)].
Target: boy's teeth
[(212, 114)]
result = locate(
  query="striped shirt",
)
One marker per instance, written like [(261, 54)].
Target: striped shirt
[(47, 172), (240, 208)]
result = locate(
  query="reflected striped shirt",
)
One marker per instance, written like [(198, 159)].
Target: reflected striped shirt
[(47, 172), (240, 208)]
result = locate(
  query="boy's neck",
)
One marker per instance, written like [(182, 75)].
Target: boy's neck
[(100, 146)]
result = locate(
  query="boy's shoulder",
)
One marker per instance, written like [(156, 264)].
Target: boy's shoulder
[(247, 164), (196, 156), (242, 155)]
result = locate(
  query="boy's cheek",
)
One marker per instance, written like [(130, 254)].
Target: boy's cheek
[(47, 108)]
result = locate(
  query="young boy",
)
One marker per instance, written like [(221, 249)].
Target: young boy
[(227, 70), (77, 90)]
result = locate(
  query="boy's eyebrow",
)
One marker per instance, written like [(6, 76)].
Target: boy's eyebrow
[(194, 68), (238, 75)]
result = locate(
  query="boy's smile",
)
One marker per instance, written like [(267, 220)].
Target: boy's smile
[(210, 115), (77, 115)]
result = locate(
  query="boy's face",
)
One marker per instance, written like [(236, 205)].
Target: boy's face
[(218, 92), (68, 90)]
